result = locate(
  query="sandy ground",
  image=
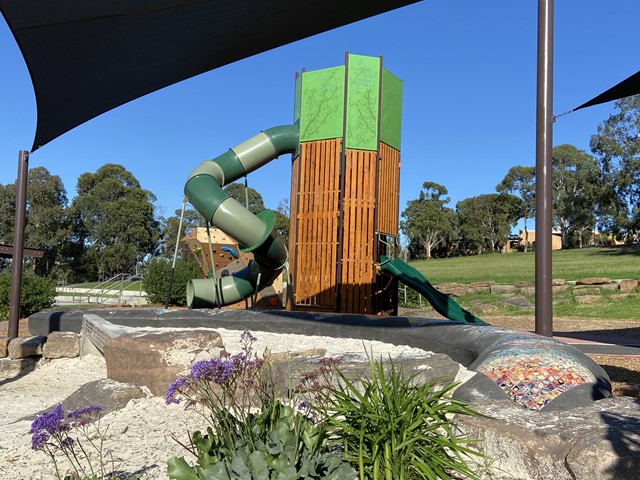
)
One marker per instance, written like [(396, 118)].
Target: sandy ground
[(139, 437)]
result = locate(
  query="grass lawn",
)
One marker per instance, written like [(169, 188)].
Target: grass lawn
[(610, 262), (127, 285)]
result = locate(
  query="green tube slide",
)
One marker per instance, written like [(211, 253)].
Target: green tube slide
[(442, 303), (254, 232)]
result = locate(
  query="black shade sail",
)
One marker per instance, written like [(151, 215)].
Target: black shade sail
[(626, 88), (86, 57)]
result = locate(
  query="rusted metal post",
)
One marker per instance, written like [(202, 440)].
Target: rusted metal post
[(18, 244), (544, 179)]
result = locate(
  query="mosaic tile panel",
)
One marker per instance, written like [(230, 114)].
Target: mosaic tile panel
[(532, 377)]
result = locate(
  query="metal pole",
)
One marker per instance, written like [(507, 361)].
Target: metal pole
[(18, 244), (175, 255), (544, 180)]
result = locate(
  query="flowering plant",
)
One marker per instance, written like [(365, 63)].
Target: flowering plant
[(52, 432), (251, 433)]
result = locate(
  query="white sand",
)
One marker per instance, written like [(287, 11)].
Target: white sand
[(139, 437)]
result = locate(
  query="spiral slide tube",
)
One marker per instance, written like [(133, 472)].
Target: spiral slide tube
[(254, 232)]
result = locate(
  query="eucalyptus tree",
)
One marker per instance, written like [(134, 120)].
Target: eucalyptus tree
[(485, 221), (617, 148), (522, 180), (576, 194), (114, 219), (427, 221), (46, 221)]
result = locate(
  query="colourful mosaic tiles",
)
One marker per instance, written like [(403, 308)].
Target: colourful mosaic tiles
[(533, 377)]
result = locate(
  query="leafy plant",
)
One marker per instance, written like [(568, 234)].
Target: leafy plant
[(37, 293), (51, 433), (394, 427), (156, 281), (252, 434)]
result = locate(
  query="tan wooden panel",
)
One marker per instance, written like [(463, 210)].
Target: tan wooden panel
[(389, 190), (358, 239), (316, 219)]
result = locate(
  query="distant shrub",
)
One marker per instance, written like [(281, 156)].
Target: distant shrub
[(156, 281), (37, 293)]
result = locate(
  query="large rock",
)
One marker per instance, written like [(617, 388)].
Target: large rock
[(62, 345), (502, 289), (588, 298), (586, 290), (600, 441), (593, 281), (24, 347), (17, 368), (288, 369), (4, 344), (107, 393), (627, 285), (155, 359)]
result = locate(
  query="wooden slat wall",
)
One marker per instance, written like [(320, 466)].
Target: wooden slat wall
[(316, 224), (293, 229), (356, 283), (389, 190)]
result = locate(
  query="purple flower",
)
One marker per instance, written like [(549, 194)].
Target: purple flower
[(248, 337), (85, 411), (216, 370), (50, 421), (330, 361), (39, 439), (304, 406), (174, 389), (67, 442)]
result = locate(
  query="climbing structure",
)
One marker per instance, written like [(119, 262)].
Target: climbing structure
[(345, 188)]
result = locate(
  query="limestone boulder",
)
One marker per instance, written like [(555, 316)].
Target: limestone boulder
[(4, 345), (155, 359), (593, 281), (600, 441), (107, 393), (586, 290), (24, 347), (429, 366), (10, 368), (502, 289), (62, 345), (588, 298), (628, 285)]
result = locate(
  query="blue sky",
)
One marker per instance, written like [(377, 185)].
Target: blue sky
[(469, 72)]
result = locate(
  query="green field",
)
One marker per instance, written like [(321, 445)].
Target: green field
[(126, 285), (613, 263), (610, 262)]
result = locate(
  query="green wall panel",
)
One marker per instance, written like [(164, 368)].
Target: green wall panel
[(391, 121), (363, 87), (322, 104)]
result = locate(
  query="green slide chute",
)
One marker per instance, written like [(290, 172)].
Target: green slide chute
[(442, 303), (204, 189)]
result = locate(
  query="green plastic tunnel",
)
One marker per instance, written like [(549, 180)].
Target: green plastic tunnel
[(254, 232)]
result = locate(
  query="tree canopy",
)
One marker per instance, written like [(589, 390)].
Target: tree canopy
[(114, 219), (486, 220), (617, 148), (576, 193), (426, 220), (47, 225), (522, 180)]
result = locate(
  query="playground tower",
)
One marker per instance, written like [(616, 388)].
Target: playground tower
[(345, 187)]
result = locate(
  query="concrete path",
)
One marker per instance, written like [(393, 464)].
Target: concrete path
[(599, 344)]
